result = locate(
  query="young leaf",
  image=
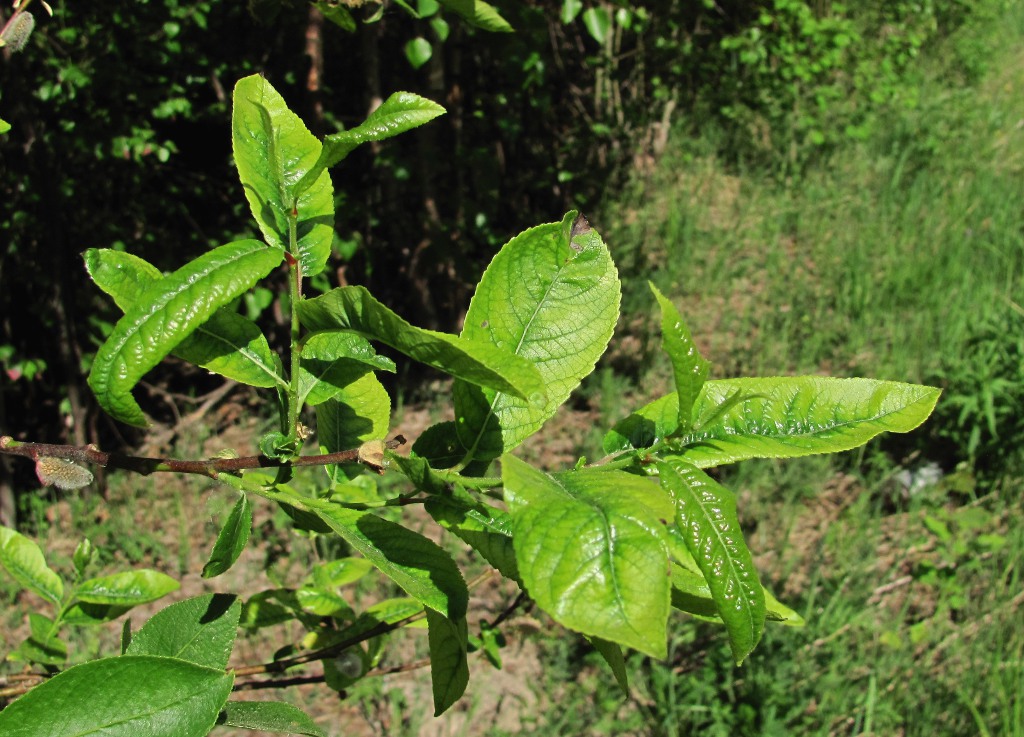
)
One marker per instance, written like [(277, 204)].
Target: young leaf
[(124, 696), (355, 309), (273, 151), (129, 588), (332, 361), (200, 630), (706, 514), (401, 112), (42, 646), (449, 669), (83, 614), (419, 566), (226, 344), (795, 416), (550, 296), (269, 716), (589, 548), (643, 428), (232, 538), (612, 655), (480, 14), (688, 365), (166, 312), (24, 561)]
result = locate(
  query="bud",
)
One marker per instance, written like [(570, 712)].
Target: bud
[(61, 473)]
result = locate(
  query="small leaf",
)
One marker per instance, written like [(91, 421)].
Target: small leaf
[(25, 562), (322, 603), (43, 645), (124, 696), (480, 14), (485, 529), (598, 22), (590, 551), (4, 126), (688, 365), (612, 655), (337, 14), (166, 312), (85, 555), (332, 361), (706, 515), (355, 309), (200, 630), (269, 716), (341, 572), (449, 668), (418, 51), (550, 296), (129, 588), (232, 538), (645, 427), (273, 151)]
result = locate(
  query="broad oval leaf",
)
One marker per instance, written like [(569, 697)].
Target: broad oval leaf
[(269, 716), (129, 588), (419, 566), (706, 515), (273, 151), (551, 296), (25, 562), (689, 367), (124, 696), (332, 361), (590, 551), (231, 539), (449, 668), (226, 344), (200, 630), (165, 313), (356, 310)]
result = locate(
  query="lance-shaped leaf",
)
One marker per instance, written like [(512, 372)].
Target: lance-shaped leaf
[(166, 312), (449, 669), (231, 540), (269, 716), (332, 361), (25, 562), (401, 112), (419, 566), (787, 417), (273, 151), (129, 588), (551, 296), (706, 515), (227, 344), (126, 696), (590, 550), (480, 14), (200, 630), (355, 309), (688, 365)]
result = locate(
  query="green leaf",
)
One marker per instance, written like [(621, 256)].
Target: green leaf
[(355, 309), (125, 696), (227, 344), (341, 572), (269, 716), (803, 415), (688, 365), (273, 151), (480, 14), (706, 515), (337, 14), (590, 551), (165, 313), (485, 529), (612, 655), (25, 562), (332, 361), (231, 539), (4, 126), (449, 668), (322, 603), (129, 588), (359, 412), (200, 630), (89, 615), (570, 9), (42, 646), (644, 427), (401, 112), (550, 296), (419, 566), (418, 51), (598, 22)]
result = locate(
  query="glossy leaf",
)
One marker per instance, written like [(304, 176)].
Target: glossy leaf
[(449, 668), (480, 14), (25, 562), (359, 412), (125, 696), (419, 566), (590, 550), (612, 655), (354, 309), (418, 51), (401, 112), (273, 151), (231, 539), (550, 296), (165, 313), (269, 716), (200, 630), (689, 367), (332, 361), (129, 588), (706, 515), (485, 529), (646, 426), (226, 344)]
